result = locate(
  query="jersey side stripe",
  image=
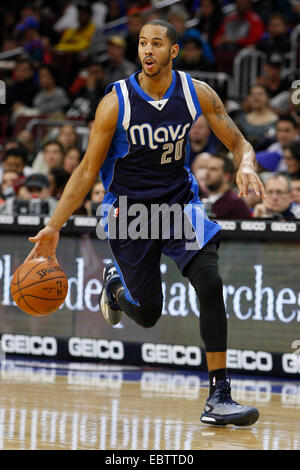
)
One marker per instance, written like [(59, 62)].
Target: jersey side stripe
[(127, 108), (187, 95), (121, 103), (194, 95)]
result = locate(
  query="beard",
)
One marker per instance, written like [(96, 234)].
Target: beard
[(160, 66), (214, 186)]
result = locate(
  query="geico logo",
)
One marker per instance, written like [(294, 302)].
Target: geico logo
[(28, 220), (258, 226), (291, 363), (249, 360), (283, 227), (101, 348), (6, 219), (252, 390), (181, 385), (171, 354), (112, 380), (36, 345), (227, 224), (290, 394)]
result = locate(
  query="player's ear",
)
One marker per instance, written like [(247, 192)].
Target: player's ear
[(174, 51)]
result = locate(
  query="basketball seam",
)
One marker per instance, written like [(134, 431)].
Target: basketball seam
[(31, 307), (39, 282), (43, 298), (35, 266)]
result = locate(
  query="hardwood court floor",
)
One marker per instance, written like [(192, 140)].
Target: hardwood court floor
[(86, 406)]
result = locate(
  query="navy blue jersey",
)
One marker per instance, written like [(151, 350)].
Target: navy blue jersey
[(149, 154)]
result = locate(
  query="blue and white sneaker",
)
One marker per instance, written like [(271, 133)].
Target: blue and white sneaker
[(221, 410), (108, 306)]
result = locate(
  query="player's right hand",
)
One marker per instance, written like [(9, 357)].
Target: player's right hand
[(45, 244)]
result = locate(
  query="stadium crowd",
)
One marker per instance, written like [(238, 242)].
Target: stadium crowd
[(57, 57)]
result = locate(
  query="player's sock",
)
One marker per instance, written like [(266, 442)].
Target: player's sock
[(214, 376)]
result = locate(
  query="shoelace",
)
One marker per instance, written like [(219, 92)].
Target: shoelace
[(224, 392)]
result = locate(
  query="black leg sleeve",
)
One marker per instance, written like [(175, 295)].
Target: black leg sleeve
[(145, 316), (203, 274)]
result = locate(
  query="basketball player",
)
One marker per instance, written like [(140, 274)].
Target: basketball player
[(140, 141)]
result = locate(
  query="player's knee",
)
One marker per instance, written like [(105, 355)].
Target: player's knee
[(149, 315)]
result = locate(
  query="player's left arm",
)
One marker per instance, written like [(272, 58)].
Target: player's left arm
[(225, 129)]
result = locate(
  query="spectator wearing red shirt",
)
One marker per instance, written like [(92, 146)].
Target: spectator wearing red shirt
[(238, 30)]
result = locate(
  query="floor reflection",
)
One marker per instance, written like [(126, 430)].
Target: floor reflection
[(91, 407)]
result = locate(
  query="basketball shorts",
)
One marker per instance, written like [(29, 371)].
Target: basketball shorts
[(137, 243)]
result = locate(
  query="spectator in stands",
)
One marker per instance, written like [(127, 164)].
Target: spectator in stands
[(199, 170), (67, 137), (271, 78), (7, 185), (51, 157), (97, 195), (287, 131), (37, 186), (134, 25), (118, 66), (192, 57), (28, 30), (201, 138), (50, 98), (295, 182), (224, 202), (278, 203), (178, 16), (24, 88), (210, 19), (238, 30), (79, 39), (87, 91), (116, 9), (71, 160), (276, 38), (15, 159), (58, 179), (27, 140), (256, 123), (291, 157)]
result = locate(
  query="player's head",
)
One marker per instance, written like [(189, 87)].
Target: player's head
[(157, 47), (286, 129), (278, 190), (220, 171)]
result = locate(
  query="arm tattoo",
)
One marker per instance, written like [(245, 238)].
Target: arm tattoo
[(220, 112)]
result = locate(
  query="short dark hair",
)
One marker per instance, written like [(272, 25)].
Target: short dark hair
[(279, 16), (51, 70), (16, 152), (55, 142), (171, 31), (294, 148), (25, 60), (228, 165), (259, 85), (288, 118)]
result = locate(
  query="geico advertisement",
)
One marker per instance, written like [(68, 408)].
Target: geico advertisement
[(145, 353), (257, 300)]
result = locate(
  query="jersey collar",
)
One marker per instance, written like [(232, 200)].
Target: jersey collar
[(140, 91)]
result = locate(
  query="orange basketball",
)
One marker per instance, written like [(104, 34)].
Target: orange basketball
[(39, 287)]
